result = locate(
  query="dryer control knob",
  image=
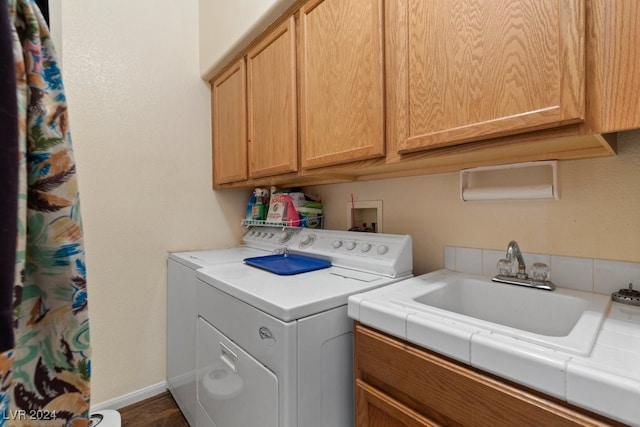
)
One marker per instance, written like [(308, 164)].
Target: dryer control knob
[(365, 247), (270, 235), (351, 245), (337, 243), (383, 249)]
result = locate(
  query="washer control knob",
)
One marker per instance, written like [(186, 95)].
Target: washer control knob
[(351, 245), (383, 249), (307, 240), (365, 247), (285, 237), (337, 243), (270, 235)]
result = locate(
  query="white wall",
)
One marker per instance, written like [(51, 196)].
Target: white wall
[(226, 27), (139, 117), (597, 216)]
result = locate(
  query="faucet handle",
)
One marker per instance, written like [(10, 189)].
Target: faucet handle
[(506, 267), (540, 272)]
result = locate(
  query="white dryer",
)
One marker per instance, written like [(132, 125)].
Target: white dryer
[(181, 305), (276, 350)]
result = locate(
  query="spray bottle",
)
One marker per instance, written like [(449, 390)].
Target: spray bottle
[(259, 211)]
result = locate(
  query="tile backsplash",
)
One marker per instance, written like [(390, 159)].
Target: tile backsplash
[(582, 274)]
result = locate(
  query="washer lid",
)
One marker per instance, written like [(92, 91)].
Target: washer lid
[(291, 297), (199, 259)]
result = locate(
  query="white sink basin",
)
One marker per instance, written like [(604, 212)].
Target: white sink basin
[(540, 312), (562, 320)]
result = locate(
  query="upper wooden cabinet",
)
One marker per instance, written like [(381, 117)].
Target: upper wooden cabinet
[(483, 69), (229, 121), (339, 90), (613, 81), (272, 113), (342, 83)]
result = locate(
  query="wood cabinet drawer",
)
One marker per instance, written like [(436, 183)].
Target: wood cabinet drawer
[(376, 409)]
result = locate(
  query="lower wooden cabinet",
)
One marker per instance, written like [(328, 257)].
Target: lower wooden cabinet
[(400, 384)]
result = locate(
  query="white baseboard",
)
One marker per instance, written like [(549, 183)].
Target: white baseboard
[(131, 398)]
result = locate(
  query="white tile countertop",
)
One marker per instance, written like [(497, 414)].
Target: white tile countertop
[(606, 380)]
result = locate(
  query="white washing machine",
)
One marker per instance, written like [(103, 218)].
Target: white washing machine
[(276, 350), (181, 306)]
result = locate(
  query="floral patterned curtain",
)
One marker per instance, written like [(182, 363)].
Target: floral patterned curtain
[(45, 376)]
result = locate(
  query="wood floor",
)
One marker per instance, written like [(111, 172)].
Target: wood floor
[(157, 411)]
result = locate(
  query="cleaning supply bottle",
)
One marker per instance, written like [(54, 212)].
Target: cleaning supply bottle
[(259, 211), (249, 215)]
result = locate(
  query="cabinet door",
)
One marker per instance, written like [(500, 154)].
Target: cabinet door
[(341, 72), (481, 69), (272, 113), (229, 109), (376, 409)]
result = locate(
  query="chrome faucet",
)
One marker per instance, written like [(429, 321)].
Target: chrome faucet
[(513, 254), (521, 278)]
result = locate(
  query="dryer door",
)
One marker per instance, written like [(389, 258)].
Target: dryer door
[(234, 389)]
